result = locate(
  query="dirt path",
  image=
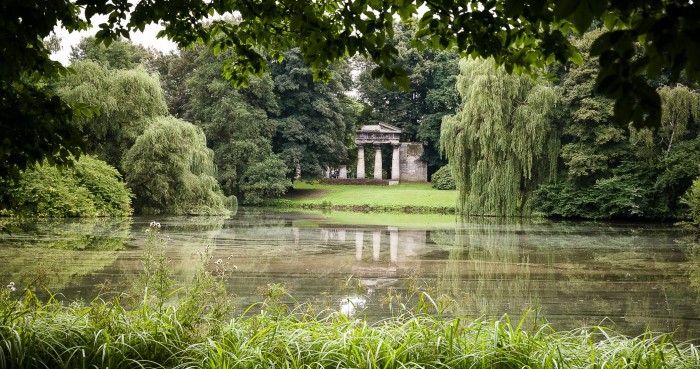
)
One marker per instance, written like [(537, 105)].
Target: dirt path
[(296, 194)]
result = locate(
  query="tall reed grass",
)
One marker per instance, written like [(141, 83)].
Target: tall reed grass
[(149, 330)]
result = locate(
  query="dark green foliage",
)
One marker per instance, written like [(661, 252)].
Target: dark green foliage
[(676, 174), (235, 120), (311, 128), (171, 171), (612, 171), (443, 179), (522, 37), (36, 124), (265, 179), (90, 188), (628, 193), (175, 69)]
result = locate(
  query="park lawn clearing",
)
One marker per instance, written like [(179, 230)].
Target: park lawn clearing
[(406, 197)]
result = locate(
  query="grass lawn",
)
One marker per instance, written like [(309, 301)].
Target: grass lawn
[(404, 195)]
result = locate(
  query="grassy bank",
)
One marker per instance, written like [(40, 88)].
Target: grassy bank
[(405, 197), (104, 335)]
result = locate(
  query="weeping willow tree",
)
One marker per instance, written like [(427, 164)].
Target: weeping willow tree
[(501, 143), (126, 99), (171, 171)]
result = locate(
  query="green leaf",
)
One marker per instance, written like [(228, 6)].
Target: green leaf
[(564, 8), (611, 21), (581, 18)]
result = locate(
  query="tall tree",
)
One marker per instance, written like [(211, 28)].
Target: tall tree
[(171, 171), (311, 127), (676, 146), (126, 99), (592, 143), (238, 128), (175, 69), (613, 171), (501, 144)]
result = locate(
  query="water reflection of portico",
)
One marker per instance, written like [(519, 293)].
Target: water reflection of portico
[(371, 244)]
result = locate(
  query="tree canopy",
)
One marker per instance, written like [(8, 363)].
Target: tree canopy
[(126, 99), (521, 36), (171, 171), (613, 171)]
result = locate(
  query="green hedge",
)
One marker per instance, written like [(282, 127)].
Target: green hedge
[(88, 189)]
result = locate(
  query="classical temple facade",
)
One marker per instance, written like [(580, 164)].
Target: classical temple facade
[(405, 159)]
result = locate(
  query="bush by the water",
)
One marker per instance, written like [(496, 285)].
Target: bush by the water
[(265, 179), (692, 200), (90, 188), (443, 179)]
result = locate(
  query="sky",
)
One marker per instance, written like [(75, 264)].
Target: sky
[(146, 38)]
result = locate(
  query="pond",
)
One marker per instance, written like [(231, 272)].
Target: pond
[(572, 274)]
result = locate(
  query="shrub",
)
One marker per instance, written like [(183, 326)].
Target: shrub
[(90, 188), (443, 179), (692, 199), (265, 179), (621, 196)]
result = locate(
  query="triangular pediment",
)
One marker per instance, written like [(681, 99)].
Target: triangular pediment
[(380, 128), (388, 128)]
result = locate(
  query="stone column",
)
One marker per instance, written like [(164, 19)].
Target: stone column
[(360, 161), (359, 241), (376, 245), (393, 245), (342, 172), (377, 161), (395, 163)]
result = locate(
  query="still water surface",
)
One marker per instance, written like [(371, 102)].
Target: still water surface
[(628, 276)]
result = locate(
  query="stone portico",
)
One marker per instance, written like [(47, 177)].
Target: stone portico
[(383, 134)]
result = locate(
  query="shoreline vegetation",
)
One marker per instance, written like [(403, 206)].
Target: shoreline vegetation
[(104, 334), (157, 324)]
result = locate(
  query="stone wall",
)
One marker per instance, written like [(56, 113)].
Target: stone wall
[(412, 168)]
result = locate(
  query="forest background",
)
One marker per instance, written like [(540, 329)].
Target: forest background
[(186, 141)]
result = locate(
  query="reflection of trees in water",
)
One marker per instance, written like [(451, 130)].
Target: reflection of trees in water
[(692, 267), (486, 271), (96, 234), (594, 270), (61, 250)]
